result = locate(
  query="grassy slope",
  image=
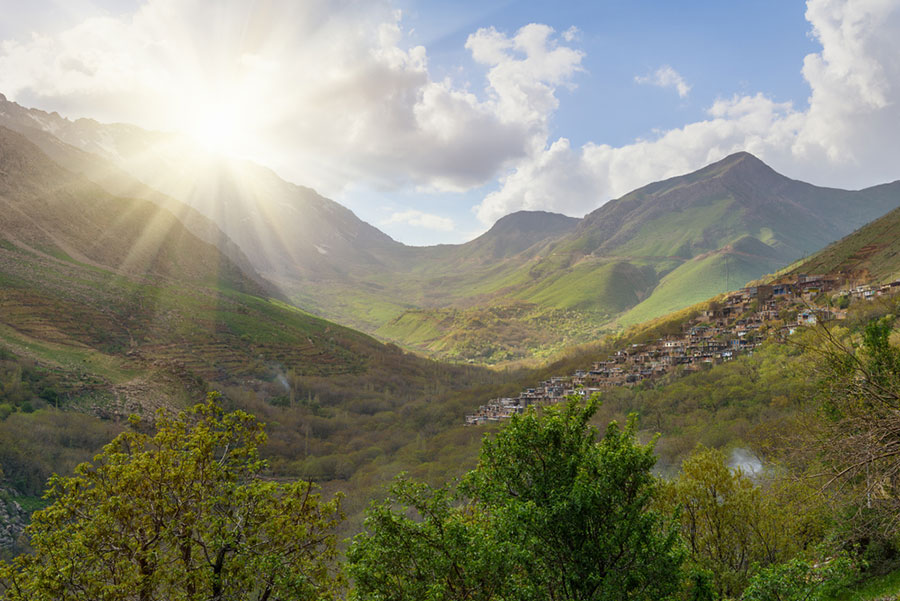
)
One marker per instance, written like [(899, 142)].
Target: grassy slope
[(873, 589), (871, 253), (693, 281), (555, 311)]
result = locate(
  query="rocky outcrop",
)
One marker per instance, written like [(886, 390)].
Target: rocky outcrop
[(13, 519)]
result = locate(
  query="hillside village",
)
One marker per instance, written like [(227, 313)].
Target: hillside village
[(733, 326)]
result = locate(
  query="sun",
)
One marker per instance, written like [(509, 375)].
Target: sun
[(220, 129)]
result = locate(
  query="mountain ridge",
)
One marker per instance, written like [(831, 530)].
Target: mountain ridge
[(551, 279)]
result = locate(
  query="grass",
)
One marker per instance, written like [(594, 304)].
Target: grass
[(30, 504), (670, 234), (873, 251), (610, 286), (69, 357), (874, 589), (696, 281)]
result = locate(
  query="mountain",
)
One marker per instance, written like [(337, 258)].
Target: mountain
[(50, 211), (655, 250), (532, 284), (871, 254), (283, 229), (110, 306), (704, 210), (517, 232), (721, 226)]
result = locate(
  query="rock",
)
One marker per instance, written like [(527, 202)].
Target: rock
[(13, 520)]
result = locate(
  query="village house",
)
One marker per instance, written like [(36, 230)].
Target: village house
[(729, 328)]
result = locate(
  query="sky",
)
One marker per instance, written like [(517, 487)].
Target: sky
[(431, 120)]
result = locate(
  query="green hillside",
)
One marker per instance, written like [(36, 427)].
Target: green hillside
[(870, 254)]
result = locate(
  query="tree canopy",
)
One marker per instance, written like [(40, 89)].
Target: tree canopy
[(550, 512), (180, 514)]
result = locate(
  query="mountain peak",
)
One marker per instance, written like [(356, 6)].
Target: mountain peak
[(519, 231), (742, 161), (533, 221)]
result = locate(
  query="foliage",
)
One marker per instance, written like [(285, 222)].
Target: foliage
[(180, 514), (730, 523), (801, 580), (860, 386), (448, 552), (562, 516), (33, 446), (26, 386)]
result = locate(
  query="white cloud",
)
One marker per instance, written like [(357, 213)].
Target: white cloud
[(332, 91), (524, 71), (847, 137), (327, 92), (416, 218), (666, 77)]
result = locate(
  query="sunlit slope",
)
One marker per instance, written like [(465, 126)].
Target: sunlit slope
[(123, 278), (870, 254), (704, 277)]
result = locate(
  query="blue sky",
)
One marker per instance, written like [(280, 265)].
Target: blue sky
[(433, 119), (721, 48)]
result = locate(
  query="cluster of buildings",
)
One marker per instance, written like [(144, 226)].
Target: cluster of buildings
[(724, 330)]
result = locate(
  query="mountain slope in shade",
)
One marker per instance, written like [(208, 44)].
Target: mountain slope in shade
[(870, 254)]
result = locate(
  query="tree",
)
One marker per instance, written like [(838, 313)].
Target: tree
[(447, 552), (181, 514), (550, 512), (729, 522), (860, 435)]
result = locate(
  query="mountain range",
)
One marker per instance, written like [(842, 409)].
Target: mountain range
[(533, 284)]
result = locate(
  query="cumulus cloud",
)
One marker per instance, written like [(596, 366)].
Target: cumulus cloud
[(420, 219), (847, 137), (333, 91), (666, 77), (327, 92)]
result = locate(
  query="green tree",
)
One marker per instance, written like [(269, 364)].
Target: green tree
[(433, 546), (550, 512), (181, 514), (859, 438), (729, 523)]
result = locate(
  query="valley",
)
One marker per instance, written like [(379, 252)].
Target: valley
[(124, 292), (532, 285)]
